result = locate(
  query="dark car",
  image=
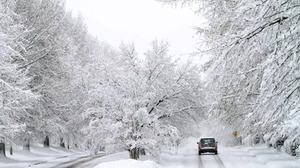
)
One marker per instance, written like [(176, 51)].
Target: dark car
[(207, 145)]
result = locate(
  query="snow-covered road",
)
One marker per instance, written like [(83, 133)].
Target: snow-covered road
[(79, 162), (185, 156), (229, 157)]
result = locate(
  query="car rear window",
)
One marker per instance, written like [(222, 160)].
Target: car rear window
[(208, 140)]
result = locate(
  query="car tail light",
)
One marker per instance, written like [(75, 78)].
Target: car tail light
[(215, 145), (199, 145)]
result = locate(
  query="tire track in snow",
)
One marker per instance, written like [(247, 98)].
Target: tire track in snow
[(219, 161), (43, 162), (200, 163), (77, 162)]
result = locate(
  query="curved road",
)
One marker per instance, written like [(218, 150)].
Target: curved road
[(78, 162), (230, 157)]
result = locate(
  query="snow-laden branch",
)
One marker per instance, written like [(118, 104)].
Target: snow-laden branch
[(36, 60)]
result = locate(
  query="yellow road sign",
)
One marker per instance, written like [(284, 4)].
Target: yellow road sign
[(235, 133)]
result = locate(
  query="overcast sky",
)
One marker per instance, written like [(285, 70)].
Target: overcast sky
[(138, 21)]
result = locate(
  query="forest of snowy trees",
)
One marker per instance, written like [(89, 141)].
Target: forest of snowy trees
[(253, 79), (60, 85), (59, 82)]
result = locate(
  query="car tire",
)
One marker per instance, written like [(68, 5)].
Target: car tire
[(199, 153), (216, 152)]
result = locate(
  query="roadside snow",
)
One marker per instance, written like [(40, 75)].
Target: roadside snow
[(38, 156), (186, 156), (128, 163), (259, 156)]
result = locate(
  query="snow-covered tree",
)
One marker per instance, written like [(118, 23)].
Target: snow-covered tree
[(16, 97), (254, 72), (136, 97), (44, 52)]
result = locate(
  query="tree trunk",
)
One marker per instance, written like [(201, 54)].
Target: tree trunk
[(62, 144), (142, 151), (2, 149), (88, 145), (11, 150), (134, 153), (46, 142), (26, 145)]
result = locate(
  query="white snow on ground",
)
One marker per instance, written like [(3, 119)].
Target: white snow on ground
[(129, 163), (185, 156), (107, 158), (257, 157), (121, 158), (38, 156)]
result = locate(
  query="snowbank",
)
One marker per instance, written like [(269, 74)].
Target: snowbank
[(128, 163), (38, 156)]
